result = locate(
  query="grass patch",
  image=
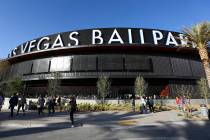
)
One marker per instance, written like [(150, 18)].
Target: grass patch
[(128, 122)]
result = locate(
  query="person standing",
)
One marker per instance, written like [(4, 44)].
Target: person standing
[(40, 104), (13, 102), (21, 104), (73, 107)]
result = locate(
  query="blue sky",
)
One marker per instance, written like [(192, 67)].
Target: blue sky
[(23, 20)]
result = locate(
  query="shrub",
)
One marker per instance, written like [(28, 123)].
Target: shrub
[(104, 107), (32, 105)]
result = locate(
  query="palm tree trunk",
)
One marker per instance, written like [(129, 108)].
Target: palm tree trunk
[(203, 53), (207, 71), (206, 101), (205, 58), (205, 61)]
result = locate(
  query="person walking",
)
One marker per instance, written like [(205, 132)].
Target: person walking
[(147, 103), (13, 102), (40, 104), (188, 106), (184, 101), (178, 102), (59, 103), (65, 103), (53, 104), (21, 104), (143, 104), (151, 104), (1, 100), (73, 107), (50, 104)]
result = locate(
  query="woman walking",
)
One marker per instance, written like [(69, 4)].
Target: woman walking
[(143, 105)]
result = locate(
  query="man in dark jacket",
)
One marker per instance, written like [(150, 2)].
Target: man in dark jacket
[(50, 104), (1, 100), (53, 104), (13, 102), (73, 108), (151, 104), (21, 103)]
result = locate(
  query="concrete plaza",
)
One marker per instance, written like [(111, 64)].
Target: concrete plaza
[(103, 126)]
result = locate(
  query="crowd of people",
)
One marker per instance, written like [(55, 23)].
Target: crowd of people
[(52, 101), (64, 103), (147, 102), (49, 102), (184, 104)]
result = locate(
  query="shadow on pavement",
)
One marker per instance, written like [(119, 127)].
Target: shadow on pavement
[(187, 129), (167, 130), (96, 118), (29, 115)]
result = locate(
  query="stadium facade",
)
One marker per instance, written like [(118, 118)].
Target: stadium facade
[(82, 56)]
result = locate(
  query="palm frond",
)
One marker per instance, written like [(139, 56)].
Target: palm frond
[(199, 34)]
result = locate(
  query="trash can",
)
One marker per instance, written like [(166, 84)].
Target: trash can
[(209, 114), (204, 110)]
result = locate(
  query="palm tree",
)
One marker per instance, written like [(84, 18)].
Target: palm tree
[(199, 35)]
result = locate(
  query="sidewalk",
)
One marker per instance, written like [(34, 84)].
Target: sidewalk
[(61, 119), (142, 119), (31, 119)]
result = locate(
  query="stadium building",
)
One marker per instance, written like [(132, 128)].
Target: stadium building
[(82, 56)]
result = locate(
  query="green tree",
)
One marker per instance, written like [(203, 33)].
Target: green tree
[(13, 86), (203, 89), (4, 65), (199, 35), (103, 87), (140, 86), (182, 89), (53, 86)]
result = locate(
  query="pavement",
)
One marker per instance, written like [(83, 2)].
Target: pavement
[(103, 125)]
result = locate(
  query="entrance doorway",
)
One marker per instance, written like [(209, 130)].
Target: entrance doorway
[(156, 86)]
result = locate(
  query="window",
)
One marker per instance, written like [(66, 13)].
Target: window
[(40, 65), (60, 64), (84, 63), (137, 63), (110, 62)]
